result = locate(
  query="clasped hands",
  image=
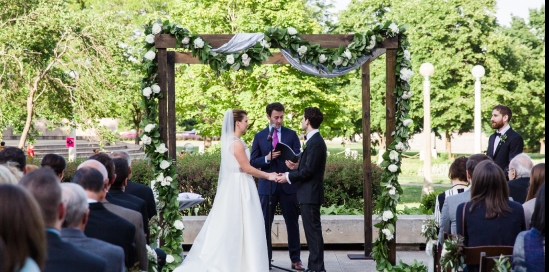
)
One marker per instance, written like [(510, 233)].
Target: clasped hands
[(281, 177)]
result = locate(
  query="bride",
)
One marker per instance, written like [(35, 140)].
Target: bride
[(233, 236)]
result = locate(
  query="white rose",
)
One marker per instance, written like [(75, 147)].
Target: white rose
[(246, 62), (393, 28), (149, 127), (302, 50), (164, 163), (407, 95), (400, 146), (132, 59), (406, 74), (292, 31), (388, 234), (347, 54), (165, 183), (169, 258), (151, 253), (185, 40), (372, 43), (230, 59), (155, 88), (322, 58), (198, 43), (150, 55), (407, 55), (157, 28), (160, 177), (338, 61), (407, 122), (178, 225), (393, 155), (387, 215), (393, 168), (265, 44), (147, 92), (392, 191), (146, 140), (245, 56), (150, 38), (161, 148)]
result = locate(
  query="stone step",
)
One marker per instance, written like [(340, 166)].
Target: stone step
[(85, 149)]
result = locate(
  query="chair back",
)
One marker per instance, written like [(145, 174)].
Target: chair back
[(487, 263), (472, 254)]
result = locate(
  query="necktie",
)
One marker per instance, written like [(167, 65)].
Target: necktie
[(275, 137)]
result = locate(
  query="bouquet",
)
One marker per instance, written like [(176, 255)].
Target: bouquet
[(452, 256)]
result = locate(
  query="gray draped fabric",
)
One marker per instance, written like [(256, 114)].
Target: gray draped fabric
[(240, 42)]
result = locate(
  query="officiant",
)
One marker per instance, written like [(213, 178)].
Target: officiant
[(264, 157)]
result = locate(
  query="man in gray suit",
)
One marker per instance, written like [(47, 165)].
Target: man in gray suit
[(448, 213), (76, 217)]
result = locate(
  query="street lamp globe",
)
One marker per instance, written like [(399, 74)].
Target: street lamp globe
[(427, 69), (478, 71)]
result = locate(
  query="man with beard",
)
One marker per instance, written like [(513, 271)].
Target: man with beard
[(505, 144)]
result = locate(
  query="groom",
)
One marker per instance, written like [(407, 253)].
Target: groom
[(309, 177), (285, 194)]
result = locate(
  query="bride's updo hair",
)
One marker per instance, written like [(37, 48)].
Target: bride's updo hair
[(238, 115)]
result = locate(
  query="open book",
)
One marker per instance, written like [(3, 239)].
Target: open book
[(286, 152)]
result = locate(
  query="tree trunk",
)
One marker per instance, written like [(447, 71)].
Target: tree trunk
[(542, 146), (449, 144), (207, 141), (28, 121)]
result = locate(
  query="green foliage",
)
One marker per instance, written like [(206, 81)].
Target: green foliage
[(428, 202), (503, 264), (452, 253), (414, 267)]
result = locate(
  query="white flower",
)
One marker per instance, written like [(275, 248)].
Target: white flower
[(392, 191), (122, 45), (338, 61), (406, 74), (393, 155), (322, 58), (151, 254), (393, 28), (246, 62), (169, 258), (149, 127), (393, 168), (160, 177), (178, 225), (150, 55), (265, 44), (155, 88), (185, 40), (164, 163), (302, 50), (150, 38), (165, 183), (407, 95), (230, 59), (407, 55), (146, 140), (198, 43), (245, 56), (387, 215), (161, 148), (157, 28), (400, 146), (372, 43), (347, 54), (292, 31), (444, 250), (147, 92), (407, 122), (388, 234)]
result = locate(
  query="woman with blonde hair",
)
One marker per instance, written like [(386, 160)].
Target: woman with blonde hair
[(537, 179)]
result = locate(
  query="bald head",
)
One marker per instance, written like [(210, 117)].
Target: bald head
[(521, 165), (95, 165)]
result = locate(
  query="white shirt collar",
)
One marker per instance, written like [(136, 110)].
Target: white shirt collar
[(311, 133), (92, 200), (504, 129)]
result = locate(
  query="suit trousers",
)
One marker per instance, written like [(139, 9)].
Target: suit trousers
[(310, 214), (289, 207)]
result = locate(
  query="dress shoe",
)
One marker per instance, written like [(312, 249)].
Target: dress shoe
[(298, 266)]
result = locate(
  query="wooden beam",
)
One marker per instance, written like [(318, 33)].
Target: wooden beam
[(184, 57), (172, 122), (325, 40), (162, 106)]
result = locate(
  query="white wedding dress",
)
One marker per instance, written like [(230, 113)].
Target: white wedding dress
[(233, 236)]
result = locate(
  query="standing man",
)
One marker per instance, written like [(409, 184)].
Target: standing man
[(505, 144), (264, 157), (309, 177)]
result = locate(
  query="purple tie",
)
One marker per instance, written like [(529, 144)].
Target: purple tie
[(275, 137)]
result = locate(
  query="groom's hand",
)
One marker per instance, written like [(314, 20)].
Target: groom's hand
[(281, 178)]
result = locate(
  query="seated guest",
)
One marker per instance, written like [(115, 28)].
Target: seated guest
[(76, 201), (103, 224), (489, 218), (6, 176), (519, 177), (537, 178), (458, 178), (13, 156), (529, 249), (21, 228), (61, 256), (55, 162), (30, 167)]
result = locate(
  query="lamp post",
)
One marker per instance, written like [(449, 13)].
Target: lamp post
[(478, 72), (72, 150), (427, 70)]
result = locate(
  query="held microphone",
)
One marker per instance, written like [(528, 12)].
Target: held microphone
[(273, 128)]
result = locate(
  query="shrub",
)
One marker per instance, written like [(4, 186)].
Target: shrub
[(428, 202)]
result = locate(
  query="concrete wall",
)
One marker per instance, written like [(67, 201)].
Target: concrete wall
[(42, 127), (336, 229)]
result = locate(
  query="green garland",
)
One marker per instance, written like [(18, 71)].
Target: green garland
[(287, 38)]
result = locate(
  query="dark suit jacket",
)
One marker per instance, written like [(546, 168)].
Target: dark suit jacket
[(518, 189), (261, 147), (506, 151), (144, 192), (111, 228), (113, 254), (117, 193), (62, 256), (120, 202), (309, 176)]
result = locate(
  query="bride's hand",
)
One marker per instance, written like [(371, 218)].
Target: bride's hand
[(272, 176)]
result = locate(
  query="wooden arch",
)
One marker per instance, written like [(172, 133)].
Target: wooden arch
[(167, 115)]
